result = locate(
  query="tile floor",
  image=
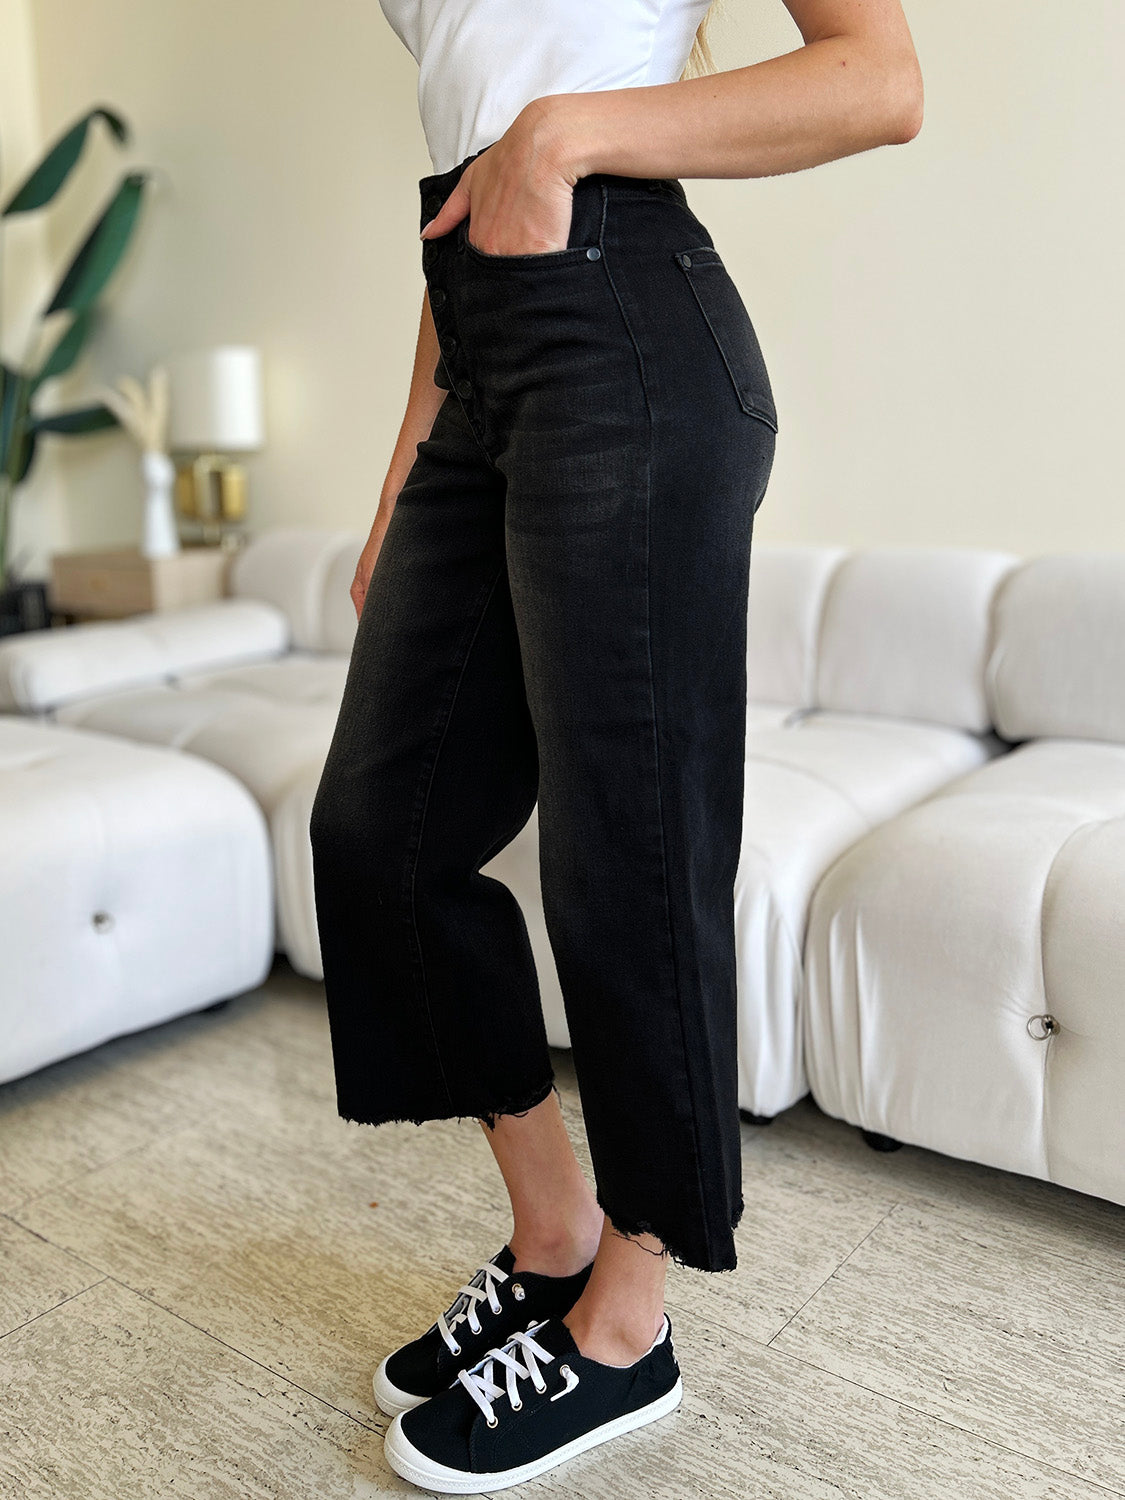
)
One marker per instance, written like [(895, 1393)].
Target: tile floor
[(200, 1265)]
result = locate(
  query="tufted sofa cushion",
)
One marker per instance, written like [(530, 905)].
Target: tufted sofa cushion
[(788, 587), (1058, 665), (812, 790), (135, 886), (42, 669), (906, 632), (304, 571), (934, 944)]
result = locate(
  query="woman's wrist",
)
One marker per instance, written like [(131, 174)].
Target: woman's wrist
[(559, 130)]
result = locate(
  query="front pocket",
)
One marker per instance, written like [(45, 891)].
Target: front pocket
[(731, 328), (571, 253)]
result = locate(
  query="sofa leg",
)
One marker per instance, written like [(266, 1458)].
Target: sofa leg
[(753, 1119), (218, 1005), (879, 1142)]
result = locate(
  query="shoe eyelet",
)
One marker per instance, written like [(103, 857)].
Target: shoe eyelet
[(493, 1421), (541, 1388), (517, 1405), (456, 1349), (518, 1292)]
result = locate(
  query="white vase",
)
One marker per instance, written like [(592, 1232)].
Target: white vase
[(160, 539)]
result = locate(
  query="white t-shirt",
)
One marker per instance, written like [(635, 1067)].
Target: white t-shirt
[(481, 61)]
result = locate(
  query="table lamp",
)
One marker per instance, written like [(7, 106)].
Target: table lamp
[(215, 411)]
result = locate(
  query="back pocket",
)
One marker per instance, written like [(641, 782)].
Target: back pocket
[(731, 328)]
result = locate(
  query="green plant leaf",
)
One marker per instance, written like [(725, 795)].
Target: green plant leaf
[(102, 248), (67, 348), (26, 452), (81, 419), (48, 177), (13, 408)]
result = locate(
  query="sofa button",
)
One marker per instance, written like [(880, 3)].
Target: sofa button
[(103, 921), (1040, 1028)]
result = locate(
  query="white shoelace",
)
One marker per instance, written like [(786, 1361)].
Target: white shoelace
[(464, 1306), (481, 1385)]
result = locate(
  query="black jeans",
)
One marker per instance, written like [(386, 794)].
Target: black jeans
[(558, 612)]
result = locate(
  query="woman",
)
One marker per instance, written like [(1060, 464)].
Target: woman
[(552, 609)]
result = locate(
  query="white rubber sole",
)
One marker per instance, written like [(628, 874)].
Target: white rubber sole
[(388, 1397), (408, 1462)]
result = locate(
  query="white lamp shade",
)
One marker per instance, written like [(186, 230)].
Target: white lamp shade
[(215, 400)]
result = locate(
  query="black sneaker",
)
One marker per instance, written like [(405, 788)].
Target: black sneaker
[(507, 1419), (486, 1311)]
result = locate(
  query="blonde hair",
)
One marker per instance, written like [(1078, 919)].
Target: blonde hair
[(700, 58)]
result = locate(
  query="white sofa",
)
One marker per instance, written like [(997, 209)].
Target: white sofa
[(866, 684), (966, 961), (134, 886), (878, 681), (251, 683)]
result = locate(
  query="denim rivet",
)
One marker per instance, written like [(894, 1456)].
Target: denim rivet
[(685, 261), (593, 253)]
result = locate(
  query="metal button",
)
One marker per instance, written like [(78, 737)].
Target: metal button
[(685, 261), (593, 253), (1039, 1028), (437, 297), (464, 388), (431, 203)]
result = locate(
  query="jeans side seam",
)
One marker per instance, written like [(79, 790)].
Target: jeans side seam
[(429, 785), (656, 747)]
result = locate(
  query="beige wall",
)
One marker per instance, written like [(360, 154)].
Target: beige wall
[(943, 320)]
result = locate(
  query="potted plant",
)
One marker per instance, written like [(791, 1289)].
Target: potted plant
[(63, 325)]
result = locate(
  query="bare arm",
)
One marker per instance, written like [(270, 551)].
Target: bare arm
[(854, 84), (421, 408)]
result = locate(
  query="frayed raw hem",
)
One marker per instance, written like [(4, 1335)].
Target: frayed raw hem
[(485, 1117), (633, 1227)]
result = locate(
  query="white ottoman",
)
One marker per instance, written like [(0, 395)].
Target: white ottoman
[(135, 885)]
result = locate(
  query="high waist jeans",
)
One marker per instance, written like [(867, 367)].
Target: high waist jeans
[(558, 613)]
